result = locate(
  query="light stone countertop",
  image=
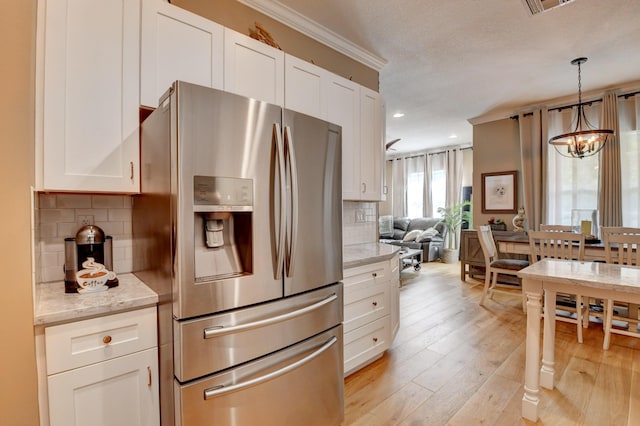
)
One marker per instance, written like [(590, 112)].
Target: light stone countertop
[(53, 305), (361, 254)]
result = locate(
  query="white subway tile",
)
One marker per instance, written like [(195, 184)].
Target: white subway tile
[(47, 230), (119, 215), (73, 201), (68, 229), (99, 215), (111, 228), (46, 201), (57, 215), (108, 201)]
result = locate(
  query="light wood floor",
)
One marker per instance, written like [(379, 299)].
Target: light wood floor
[(456, 363)]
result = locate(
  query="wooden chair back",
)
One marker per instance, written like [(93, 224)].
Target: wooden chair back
[(556, 245), (556, 228), (487, 244), (621, 245)]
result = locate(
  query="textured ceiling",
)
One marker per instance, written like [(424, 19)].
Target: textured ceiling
[(454, 61)]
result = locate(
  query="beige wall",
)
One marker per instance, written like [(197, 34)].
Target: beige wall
[(233, 14), (496, 148), (18, 390)]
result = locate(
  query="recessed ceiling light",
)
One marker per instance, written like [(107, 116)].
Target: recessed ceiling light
[(398, 115), (453, 136)]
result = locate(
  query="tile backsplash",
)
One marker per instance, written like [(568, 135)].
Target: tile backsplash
[(58, 216), (359, 222)]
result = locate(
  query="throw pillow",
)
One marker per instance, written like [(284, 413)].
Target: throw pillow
[(426, 235), (412, 235)]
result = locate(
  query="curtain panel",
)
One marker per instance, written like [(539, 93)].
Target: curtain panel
[(610, 197), (629, 119), (533, 157)]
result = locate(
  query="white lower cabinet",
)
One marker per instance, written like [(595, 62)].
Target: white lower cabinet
[(370, 312), (104, 371)]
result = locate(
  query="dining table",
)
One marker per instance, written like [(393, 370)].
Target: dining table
[(547, 277)]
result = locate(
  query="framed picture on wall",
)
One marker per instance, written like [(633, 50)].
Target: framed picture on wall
[(500, 192)]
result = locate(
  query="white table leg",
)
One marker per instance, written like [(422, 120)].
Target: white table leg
[(530, 399), (547, 371)]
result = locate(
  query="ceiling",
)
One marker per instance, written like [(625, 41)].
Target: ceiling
[(451, 63)]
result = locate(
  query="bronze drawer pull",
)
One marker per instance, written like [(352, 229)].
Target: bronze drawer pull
[(106, 340)]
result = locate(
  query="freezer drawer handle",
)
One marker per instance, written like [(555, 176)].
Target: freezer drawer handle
[(220, 330), (219, 390)]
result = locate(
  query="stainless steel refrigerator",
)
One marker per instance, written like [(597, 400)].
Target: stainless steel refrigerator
[(238, 227)]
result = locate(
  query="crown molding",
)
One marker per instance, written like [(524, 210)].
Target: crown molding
[(591, 95), (312, 29)]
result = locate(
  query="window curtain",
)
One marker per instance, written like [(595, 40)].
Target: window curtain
[(428, 185), (533, 154), (415, 172), (438, 172), (398, 187), (572, 183), (610, 203), (629, 131), (454, 162)]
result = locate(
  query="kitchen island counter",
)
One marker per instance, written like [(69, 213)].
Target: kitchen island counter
[(362, 254), (53, 305)]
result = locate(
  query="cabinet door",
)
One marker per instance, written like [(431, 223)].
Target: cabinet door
[(122, 391), (371, 145), (177, 45), (252, 68), (90, 56), (344, 109), (304, 85)]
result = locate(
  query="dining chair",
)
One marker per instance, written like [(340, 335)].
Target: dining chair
[(569, 246), (494, 266), (621, 246)]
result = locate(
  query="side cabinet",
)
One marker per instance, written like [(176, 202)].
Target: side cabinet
[(370, 312), (177, 45), (88, 79), (104, 371), (371, 146)]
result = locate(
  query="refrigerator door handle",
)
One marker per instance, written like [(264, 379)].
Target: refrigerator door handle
[(219, 330), (293, 172), (280, 250), (220, 390)]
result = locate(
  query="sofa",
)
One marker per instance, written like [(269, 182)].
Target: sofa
[(426, 233)]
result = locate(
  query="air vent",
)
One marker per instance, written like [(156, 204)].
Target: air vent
[(538, 6)]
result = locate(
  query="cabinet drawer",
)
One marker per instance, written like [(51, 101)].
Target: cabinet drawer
[(365, 343), (365, 302), (374, 272), (85, 342)]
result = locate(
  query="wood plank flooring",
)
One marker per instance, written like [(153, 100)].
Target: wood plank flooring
[(454, 362)]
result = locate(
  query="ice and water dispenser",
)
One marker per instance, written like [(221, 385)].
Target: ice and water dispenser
[(222, 227)]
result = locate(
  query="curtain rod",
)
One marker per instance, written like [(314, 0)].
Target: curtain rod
[(428, 153), (560, 108)]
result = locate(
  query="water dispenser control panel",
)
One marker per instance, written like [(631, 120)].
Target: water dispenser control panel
[(223, 193)]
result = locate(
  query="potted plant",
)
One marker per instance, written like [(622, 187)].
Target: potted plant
[(452, 218)]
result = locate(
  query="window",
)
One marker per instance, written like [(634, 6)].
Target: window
[(629, 113), (415, 201), (438, 190), (571, 183)]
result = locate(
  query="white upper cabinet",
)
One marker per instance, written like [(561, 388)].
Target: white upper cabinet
[(177, 45), (252, 68), (344, 109), (304, 87), (371, 146), (87, 104)]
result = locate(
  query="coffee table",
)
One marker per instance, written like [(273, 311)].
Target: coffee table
[(410, 257)]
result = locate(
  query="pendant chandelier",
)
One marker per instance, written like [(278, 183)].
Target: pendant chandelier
[(584, 141)]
